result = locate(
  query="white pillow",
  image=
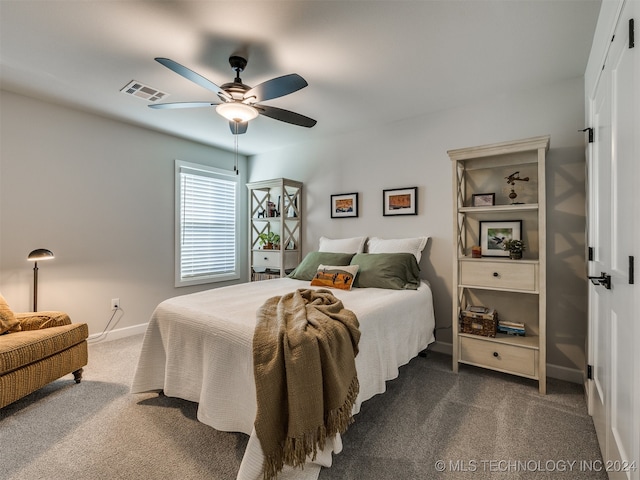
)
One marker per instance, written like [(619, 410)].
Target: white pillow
[(398, 245), (342, 245)]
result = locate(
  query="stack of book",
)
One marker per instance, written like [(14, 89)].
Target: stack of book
[(511, 328)]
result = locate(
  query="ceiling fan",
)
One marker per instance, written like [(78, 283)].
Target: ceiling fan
[(239, 103)]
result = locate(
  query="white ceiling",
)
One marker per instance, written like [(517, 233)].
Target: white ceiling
[(367, 62)]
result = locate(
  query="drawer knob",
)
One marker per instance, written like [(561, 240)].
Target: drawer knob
[(496, 274), (266, 258), (495, 354)]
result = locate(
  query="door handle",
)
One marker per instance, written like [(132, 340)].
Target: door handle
[(603, 279)]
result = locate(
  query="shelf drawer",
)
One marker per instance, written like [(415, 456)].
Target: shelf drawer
[(266, 259), (512, 276), (499, 356), (271, 259)]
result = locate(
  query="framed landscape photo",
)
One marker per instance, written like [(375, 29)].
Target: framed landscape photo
[(400, 201), (483, 200), (344, 205), (493, 235)]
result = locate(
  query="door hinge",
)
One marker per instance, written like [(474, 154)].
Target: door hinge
[(631, 34), (590, 254), (631, 270), (590, 130), (589, 372)]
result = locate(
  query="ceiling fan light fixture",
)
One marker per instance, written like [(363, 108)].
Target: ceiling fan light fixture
[(241, 103), (237, 111)]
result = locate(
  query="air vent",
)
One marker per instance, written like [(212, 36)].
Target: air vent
[(143, 91)]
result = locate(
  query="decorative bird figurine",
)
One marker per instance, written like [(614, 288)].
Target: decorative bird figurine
[(511, 180), (515, 176)]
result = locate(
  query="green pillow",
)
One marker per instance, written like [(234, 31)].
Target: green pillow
[(395, 271), (309, 265)]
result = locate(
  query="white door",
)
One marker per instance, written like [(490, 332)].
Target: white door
[(599, 241), (622, 218), (613, 215)]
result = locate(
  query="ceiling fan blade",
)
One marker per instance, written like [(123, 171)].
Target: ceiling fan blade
[(276, 87), (285, 116), (193, 76), (182, 105), (238, 128)]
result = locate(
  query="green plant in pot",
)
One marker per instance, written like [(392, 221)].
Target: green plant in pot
[(269, 241), (515, 248)]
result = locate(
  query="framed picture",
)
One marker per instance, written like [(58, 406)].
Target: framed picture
[(493, 234), (344, 205), (483, 200), (400, 201)]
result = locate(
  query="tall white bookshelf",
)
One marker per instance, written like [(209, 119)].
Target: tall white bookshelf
[(516, 289), (274, 206)]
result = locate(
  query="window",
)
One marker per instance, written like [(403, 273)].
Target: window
[(206, 224)]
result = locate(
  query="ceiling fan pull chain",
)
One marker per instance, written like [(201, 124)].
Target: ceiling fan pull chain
[(235, 164)]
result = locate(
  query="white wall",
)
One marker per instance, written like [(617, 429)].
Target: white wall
[(414, 153), (99, 194)]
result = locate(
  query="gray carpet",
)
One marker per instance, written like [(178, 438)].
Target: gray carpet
[(478, 423)]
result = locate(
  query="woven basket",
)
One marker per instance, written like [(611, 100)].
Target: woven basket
[(485, 324)]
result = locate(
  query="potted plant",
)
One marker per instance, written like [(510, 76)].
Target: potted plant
[(515, 248), (269, 240)]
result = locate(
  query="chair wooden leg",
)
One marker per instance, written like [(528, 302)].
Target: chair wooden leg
[(77, 375)]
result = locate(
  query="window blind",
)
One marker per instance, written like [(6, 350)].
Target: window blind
[(207, 242)]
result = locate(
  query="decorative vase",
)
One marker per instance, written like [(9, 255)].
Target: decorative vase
[(515, 255)]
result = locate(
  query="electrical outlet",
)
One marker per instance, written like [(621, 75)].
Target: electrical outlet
[(115, 303)]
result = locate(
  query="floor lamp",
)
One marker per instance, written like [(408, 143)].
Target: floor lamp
[(35, 256)]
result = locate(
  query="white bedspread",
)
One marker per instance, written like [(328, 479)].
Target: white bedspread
[(198, 347)]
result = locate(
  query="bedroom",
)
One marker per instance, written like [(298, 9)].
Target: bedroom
[(99, 191)]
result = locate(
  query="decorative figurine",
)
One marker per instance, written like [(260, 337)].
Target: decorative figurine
[(511, 180)]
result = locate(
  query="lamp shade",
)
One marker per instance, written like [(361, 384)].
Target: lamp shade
[(237, 111), (40, 254)]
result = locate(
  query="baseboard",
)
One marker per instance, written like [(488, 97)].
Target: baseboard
[(441, 347), (572, 375), (118, 333)]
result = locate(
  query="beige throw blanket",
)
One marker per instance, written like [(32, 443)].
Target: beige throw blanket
[(304, 349)]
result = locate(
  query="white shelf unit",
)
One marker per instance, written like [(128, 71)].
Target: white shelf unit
[(284, 219), (516, 289)]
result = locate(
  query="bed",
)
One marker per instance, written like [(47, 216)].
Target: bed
[(198, 347)]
